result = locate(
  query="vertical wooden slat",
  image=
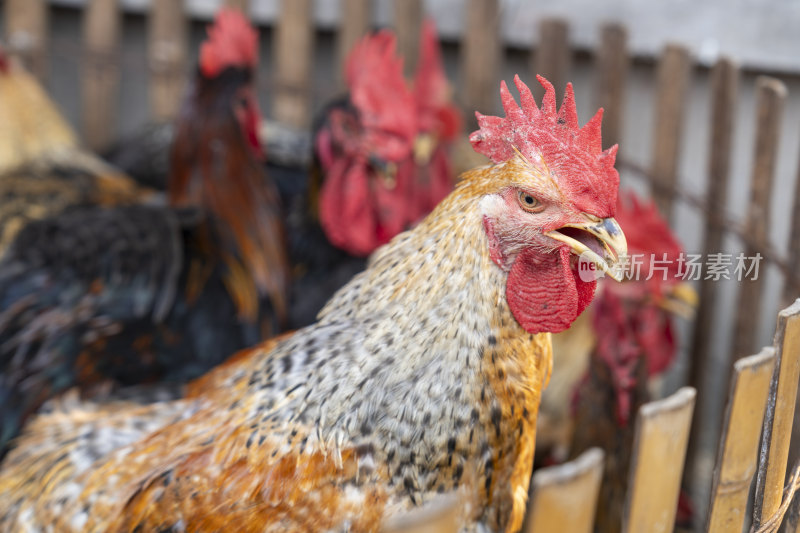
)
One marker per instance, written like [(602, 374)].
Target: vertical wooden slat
[(780, 411), (565, 496), (167, 57), (612, 73), (738, 450), (770, 97), (440, 515), (480, 60), (553, 56), (724, 95), (354, 22), (241, 5), (674, 68), (791, 287), (662, 432), (407, 23), (100, 71), (294, 50), (26, 25)]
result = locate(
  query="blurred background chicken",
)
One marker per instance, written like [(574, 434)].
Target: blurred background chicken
[(603, 365), (422, 376), (381, 164), (43, 169), (92, 292)]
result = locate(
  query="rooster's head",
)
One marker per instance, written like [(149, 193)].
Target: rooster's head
[(227, 67), (547, 206)]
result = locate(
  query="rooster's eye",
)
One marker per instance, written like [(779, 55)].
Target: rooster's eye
[(529, 203)]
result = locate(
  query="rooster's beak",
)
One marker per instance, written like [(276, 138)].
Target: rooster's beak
[(599, 241)]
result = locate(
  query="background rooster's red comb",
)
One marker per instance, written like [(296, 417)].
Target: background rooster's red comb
[(649, 236), (436, 113), (231, 42), (552, 138), (374, 75)]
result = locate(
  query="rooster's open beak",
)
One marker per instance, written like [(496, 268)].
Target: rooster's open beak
[(598, 240)]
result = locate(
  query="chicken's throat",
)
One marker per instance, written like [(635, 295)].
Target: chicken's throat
[(544, 291)]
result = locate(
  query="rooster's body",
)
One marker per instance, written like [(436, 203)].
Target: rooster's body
[(94, 293), (43, 169), (422, 376)]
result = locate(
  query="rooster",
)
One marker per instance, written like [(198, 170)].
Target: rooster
[(382, 152), (135, 293), (624, 339), (43, 169), (422, 375), (382, 164)]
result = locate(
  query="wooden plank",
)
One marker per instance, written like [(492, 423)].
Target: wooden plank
[(659, 448), (167, 57), (241, 5), (771, 97), (101, 33), (26, 25), (294, 51), (724, 100), (553, 56), (354, 23), (674, 68), (441, 515), (612, 74), (408, 16), (791, 287), (565, 496), (738, 450), (480, 60), (780, 412)]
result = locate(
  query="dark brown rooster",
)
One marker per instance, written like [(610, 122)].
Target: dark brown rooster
[(144, 292)]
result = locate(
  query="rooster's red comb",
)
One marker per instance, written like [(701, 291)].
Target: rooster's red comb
[(552, 139), (647, 232), (435, 110), (374, 75), (231, 42)]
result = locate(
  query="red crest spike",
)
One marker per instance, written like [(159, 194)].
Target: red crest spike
[(231, 42), (374, 75), (568, 111), (552, 139)]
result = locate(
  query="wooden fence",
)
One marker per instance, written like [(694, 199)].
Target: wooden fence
[(26, 34)]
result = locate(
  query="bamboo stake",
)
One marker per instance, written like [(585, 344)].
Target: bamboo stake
[(481, 57), (724, 95), (674, 68), (294, 55), (26, 23), (738, 447), (771, 95), (565, 496), (553, 56), (355, 22), (241, 5), (662, 433), (167, 57), (612, 73), (101, 71), (408, 16), (780, 412)]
